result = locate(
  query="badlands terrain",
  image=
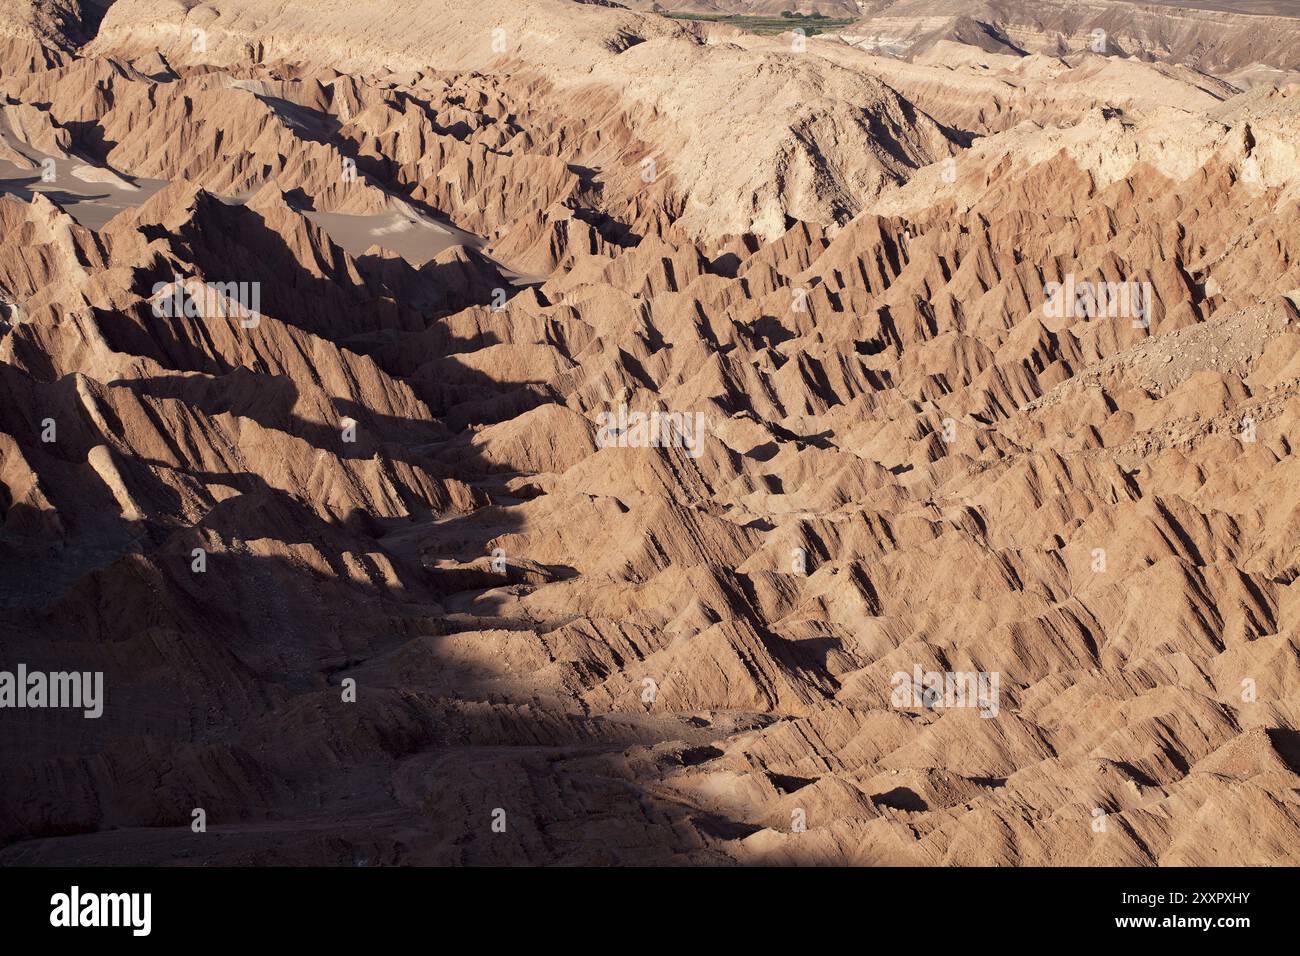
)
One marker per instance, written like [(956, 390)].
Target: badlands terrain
[(546, 432)]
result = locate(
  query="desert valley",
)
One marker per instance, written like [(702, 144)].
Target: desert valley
[(573, 432)]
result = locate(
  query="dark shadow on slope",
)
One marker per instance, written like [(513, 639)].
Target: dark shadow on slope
[(224, 686), (901, 798)]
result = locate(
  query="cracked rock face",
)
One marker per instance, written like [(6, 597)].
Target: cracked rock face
[(548, 432)]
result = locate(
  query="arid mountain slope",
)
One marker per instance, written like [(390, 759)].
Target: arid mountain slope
[(898, 469), (1218, 37), (651, 86)]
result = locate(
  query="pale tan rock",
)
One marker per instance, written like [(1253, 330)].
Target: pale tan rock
[(644, 508)]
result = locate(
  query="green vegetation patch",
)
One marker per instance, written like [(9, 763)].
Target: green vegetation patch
[(812, 23)]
